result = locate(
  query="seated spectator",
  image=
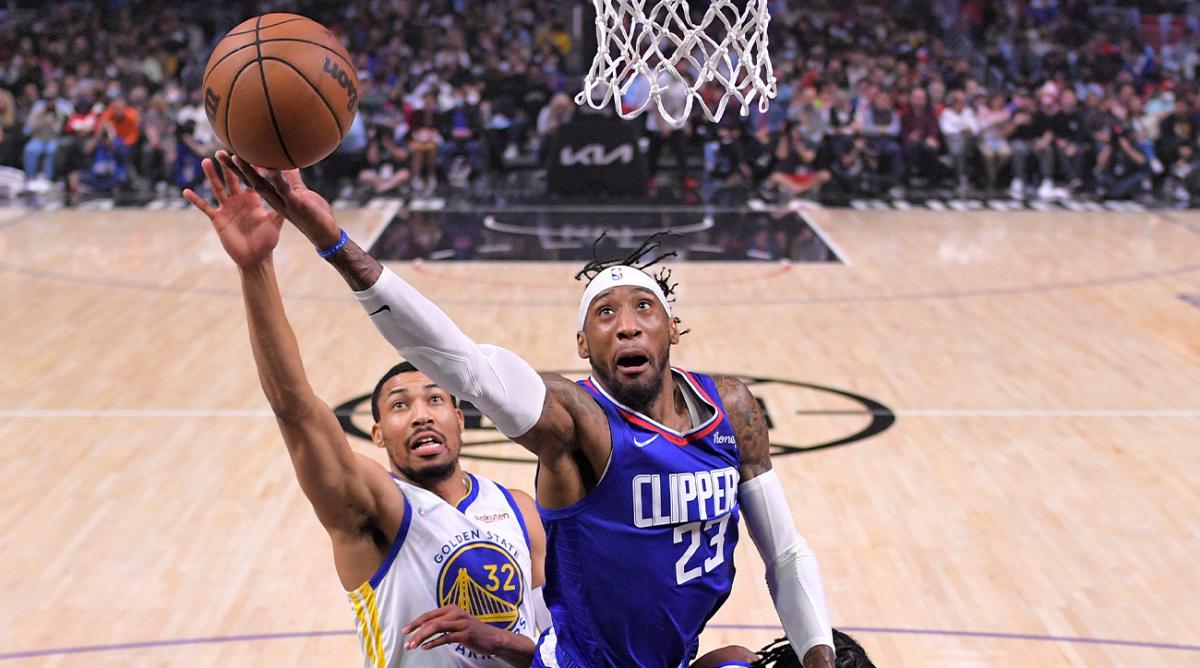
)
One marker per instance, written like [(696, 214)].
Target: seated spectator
[(725, 163), (806, 113), (109, 162), (794, 171), (346, 162), (1063, 146), (387, 160), (44, 128), (554, 115), (1177, 129), (921, 138), (1122, 170), (843, 128), (10, 132), (1027, 127), (855, 171), (76, 142), (202, 130), (660, 134), (960, 128), (123, 119), (993, 118), (158, 129), (1182, 182), (881, 126), (1142, 129), (423, 143), (185, 156), (462, 150)]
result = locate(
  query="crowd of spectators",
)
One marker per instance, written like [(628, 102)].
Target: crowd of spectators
[(1033, 98)]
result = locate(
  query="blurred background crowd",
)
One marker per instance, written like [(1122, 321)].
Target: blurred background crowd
[(1024, 98)]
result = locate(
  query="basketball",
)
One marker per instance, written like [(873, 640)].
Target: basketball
[(280, 91)]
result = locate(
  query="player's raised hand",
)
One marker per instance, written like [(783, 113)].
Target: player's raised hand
[(248, 231), (286, 193)]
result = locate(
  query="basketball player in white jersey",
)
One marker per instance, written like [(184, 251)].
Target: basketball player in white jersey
[(646, 471), (442, 567)]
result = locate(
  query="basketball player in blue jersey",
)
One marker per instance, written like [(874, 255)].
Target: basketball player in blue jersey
[(645, 471), (442, 568)]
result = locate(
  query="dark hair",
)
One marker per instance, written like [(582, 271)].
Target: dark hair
[(848, 654), (403, 367), (635, 259)]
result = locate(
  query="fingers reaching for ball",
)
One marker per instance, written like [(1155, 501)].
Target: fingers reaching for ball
[(286, 193)]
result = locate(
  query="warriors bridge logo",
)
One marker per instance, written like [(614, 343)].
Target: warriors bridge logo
[(802, 417), (485, 580)]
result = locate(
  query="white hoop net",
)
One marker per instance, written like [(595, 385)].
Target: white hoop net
[(673, 54)]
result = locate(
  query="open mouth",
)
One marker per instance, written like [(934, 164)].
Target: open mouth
[(427, 443), (632, 363)]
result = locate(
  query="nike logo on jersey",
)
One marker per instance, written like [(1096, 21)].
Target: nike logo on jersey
[(381, 309), (642, 444), (425, 511)]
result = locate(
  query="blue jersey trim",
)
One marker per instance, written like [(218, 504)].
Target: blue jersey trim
[(472, 494), (516, 510), (396, 544)]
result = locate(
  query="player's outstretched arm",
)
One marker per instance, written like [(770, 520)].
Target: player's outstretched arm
[(540, 413), (792, 573), (342, 490)]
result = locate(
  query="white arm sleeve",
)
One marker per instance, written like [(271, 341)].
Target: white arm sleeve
[(792, 574), (501, 385), (541, 613)]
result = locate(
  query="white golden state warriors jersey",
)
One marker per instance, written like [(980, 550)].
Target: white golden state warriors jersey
[(474, 555)]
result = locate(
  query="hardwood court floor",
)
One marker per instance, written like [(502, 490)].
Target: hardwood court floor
[(1039, 481)]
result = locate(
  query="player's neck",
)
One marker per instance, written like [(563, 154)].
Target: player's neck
[(453, 488), (669, 408)]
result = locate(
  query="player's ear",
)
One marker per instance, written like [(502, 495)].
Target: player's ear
[(377, 435), (462, 421), (581, 345), (674, 331)]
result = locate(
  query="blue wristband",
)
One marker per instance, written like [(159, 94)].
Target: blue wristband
[(332, 250)]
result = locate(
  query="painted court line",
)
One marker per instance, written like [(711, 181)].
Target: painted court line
[(387, 213), (837, 251), (37, 413), (952, 633)]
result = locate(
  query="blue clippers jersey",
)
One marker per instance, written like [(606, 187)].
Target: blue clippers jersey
[(636, 568)]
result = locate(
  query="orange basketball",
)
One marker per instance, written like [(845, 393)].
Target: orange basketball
[(280, 91)]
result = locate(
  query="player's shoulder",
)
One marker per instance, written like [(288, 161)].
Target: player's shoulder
[(571, 397), (732, 390), (372, 470), (523, 499)]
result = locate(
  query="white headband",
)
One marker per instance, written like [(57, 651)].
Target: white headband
[(617, 276)]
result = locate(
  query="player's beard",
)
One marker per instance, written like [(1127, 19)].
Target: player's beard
[(428, 475), (637, 394)]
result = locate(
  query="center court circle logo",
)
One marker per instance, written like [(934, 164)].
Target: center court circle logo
[(802, 417), (484, 580)]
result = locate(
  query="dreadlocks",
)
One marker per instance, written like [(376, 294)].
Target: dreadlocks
[(781, 654), (637, 260)]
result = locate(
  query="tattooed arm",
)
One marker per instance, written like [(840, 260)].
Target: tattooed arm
[(749, 426), (792, 574)]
